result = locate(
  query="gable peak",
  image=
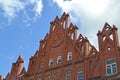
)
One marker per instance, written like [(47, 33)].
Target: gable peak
[(64, 15), (80, 38), (106, 27), (20, 59), (57, 18)]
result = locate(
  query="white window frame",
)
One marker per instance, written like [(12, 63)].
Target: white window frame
[(69, 56), (110, 66), (50, 61), (59, 59)]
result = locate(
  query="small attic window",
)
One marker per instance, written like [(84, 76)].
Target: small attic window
[(80, 40), (111, 36), (72, 36), (53, 27), (108, 48), (43, 45), (104, 38), (94, 52), (107, 29), (64, 24)]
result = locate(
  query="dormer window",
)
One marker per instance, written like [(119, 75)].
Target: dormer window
[(50, 61), (69, 56), (59, 59)]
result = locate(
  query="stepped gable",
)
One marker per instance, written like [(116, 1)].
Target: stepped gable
[(16, 70), (63, 55)]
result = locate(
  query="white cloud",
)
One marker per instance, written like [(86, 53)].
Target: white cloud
[(38, 6), (91, 14), (12, 8)]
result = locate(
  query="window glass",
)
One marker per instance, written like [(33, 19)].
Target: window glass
[(80, 74), (51, 62), (41, 65), (57, 76), (68, 75), (111, 67), (48, 78), (59, 59), (39, 79), (69, 56)]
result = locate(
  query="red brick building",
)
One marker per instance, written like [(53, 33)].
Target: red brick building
[(65, 55), (17, 70)]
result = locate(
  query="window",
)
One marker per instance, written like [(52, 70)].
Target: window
[(57, 76), (80, 74), (111, 67), (111, 36), (59, 59), (68, 75), (48, 78), (39, 79), (50, 61), (41, 65), (69, 56)]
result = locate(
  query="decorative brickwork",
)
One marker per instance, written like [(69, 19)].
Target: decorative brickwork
[(17, 70), (65, 55)]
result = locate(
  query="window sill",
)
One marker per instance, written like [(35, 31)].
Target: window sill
[(111, 74)]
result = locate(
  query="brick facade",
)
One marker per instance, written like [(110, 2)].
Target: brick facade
[(65, 55), (17, 70)]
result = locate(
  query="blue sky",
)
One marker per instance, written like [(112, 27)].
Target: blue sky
[(23, 23)]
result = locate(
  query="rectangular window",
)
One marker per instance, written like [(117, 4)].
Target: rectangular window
[(59, 59), (48, 78), (111, 67), (50, 61), (57, 76), (80, 74), (39, 79), (68, 75), (41, 65), (69, 56)]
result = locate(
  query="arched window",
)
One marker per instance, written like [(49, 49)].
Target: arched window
[(69, 56), (59, 59), (50, 61)]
